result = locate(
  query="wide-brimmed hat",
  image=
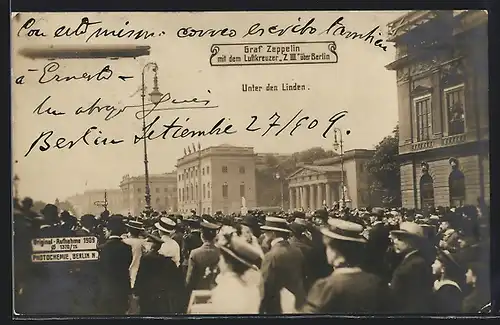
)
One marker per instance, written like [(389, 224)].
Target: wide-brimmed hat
[(448, 258), (276, 224), (135, 225), (240, 250), (410, 229), (207, 222), (344, 230), (298, 225), (115, 223), (165, 224), (250, 221)]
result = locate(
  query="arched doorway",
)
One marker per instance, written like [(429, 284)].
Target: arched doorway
[(456, 185), (426, 192)]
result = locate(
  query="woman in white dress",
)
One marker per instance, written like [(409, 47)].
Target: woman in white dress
[(237, 290)]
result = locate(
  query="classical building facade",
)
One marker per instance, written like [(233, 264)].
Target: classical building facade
[(312, 185), (163, 190), (90, 201), (442, 81), (216, 179)]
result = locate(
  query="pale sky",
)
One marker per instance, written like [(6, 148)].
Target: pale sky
[(358, 83)]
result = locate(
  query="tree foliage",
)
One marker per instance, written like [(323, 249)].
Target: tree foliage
[(62, 205), (384, 170)]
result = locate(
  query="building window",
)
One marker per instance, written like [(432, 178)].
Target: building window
[(191, 194), (157, 190), (166, 201), (203, 171), (225, 191), (456, 184), (138, 190), (204, 188), (242, 170), (424, 118), (242, 190), (197, 193), (208, 170), (208, 210), (166, 190), (208, 190), (196, 172), (427, 192), (224, 169), (157, 200), (180, 176), (454, 103), (139, 201)]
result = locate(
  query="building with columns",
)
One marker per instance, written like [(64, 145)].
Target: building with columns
[(312, 185), (163, 191), (442, 82), (216, 179)]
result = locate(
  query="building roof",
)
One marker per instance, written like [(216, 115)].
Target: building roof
[(315, 168)]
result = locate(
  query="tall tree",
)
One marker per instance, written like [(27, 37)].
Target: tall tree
[(384, 170)]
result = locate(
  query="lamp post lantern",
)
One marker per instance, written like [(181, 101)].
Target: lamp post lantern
[(155, 97), (339, 144)]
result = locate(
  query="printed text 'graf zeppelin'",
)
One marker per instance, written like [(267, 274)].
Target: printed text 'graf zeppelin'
[(273, 53)]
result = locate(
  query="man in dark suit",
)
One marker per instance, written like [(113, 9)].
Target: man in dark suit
[(377, 246), (279, 268), (302, 240), (115, 259), (412, 281), (203, 261), (88, 224)]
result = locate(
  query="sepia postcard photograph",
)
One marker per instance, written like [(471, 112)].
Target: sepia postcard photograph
[(250, 163)]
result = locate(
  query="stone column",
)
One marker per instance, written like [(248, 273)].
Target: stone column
[(328, 194), (303, 201), (312, 197), (319, 193), (290, 198), (297, 197)]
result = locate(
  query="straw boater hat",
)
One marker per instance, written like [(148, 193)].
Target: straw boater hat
[(135, 225), (165, 224), (409, 229), (276, 224), (243, 252), (339, 229)]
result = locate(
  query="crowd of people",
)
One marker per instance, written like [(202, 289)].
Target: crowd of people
[(332, 261)]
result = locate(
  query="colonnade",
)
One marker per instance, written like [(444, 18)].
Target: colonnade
[(312, 196)]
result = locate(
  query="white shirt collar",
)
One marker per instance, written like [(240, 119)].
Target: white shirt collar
[(276, 240), (83, 228), (439, 283), (347, 270), (114, 237), (409, 254)]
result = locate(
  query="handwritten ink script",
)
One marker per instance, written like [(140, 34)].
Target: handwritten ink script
[(90, 30), (175, 129)]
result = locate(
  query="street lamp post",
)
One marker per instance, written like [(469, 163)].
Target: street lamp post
[(155, 97), (339, 143), (278, 177)]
